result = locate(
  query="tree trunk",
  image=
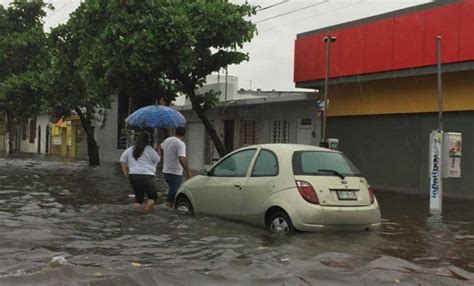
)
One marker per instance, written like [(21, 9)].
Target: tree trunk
[(209, 128), (10, 132), (92, 148)]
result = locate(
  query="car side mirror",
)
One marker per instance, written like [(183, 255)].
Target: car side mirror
[(203, 172)]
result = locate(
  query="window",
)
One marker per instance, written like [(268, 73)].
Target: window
[(23, 131), (247, 133), (322, 163), (280, 131), (235, 165), (32, 136), (266, 164)]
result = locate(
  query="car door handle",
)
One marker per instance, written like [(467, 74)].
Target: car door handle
[(238, 186)]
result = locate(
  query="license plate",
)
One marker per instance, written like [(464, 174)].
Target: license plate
[(346, 195)]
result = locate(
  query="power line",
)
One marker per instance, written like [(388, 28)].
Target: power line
[(62, 7), (312, 16), (291, 12), (273, 5)]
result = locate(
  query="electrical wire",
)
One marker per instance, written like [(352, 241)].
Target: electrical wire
[(312, 16), (273, 5), (62, 7), (291, 12)]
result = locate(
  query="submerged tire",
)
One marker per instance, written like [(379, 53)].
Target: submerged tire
[(280, 222), (184, 206)]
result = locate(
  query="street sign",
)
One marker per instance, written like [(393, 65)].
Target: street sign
[(435, 172), (452, 154)]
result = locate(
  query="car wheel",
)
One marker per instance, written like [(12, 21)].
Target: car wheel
[(280, 222), (184, 206)]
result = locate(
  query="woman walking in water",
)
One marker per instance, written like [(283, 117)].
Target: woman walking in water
[(138, 163)]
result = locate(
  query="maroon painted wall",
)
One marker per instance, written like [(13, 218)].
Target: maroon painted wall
[(401, 42)]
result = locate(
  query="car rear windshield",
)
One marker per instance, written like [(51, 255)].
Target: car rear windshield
[(322, 163)]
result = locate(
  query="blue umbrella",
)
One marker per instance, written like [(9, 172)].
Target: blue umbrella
[(156, 116)]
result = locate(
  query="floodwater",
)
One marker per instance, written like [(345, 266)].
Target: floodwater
[(64, 223)]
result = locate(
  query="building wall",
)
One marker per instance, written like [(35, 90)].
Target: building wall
[(262, 114), (391, 43), (392, 150), (403, 95), (42, 122), (106, 135)]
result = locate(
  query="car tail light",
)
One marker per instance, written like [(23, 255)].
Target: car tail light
[(371, 195), (307, 192)]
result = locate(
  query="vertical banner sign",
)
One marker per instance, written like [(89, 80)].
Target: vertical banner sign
[(436, 184), (452, 155)]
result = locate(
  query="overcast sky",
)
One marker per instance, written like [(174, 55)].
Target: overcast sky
[(272, 50)]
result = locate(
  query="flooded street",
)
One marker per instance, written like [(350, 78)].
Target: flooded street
[(64, 223)]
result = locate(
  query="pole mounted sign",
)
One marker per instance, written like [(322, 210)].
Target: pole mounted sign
[(452, 154), (436, 183)]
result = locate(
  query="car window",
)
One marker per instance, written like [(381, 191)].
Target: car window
[(318, 163), (235, 165), (266, 164)]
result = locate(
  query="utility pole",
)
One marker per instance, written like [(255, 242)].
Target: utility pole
[(440, 84), (327, 40), (436, 146)]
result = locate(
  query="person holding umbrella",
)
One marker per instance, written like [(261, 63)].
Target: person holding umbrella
[(138, 163), (174, 149)]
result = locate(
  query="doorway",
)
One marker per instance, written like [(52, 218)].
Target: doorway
[(304, 132), (39, 139), (47, 140)]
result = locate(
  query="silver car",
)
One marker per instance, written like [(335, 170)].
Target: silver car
[(283, 187)]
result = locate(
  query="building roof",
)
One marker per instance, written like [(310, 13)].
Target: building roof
[(390, 14), (293, 96)]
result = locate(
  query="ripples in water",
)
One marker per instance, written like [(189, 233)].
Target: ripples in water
[(64, 222)]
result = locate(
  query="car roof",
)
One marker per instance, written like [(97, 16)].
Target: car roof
[(291, 147)]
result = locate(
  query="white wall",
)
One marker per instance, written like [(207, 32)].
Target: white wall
[(106, 135), (41, 122), (263, 115)]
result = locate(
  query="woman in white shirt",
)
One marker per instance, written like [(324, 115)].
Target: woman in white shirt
[(139, 163)]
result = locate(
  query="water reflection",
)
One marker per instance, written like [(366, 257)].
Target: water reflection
[(67, 222)]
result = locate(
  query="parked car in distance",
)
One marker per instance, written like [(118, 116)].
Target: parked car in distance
[(283, 187)]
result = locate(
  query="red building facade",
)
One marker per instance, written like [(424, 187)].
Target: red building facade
[(388, 43)]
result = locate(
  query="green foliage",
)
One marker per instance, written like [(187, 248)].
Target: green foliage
[(157, 47), (22, 57), (208, 99)]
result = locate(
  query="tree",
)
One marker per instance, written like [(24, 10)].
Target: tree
[(160, 46), (67, 90), (22, 59), (215, 29)]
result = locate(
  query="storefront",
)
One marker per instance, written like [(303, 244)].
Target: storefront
[(383, 89)]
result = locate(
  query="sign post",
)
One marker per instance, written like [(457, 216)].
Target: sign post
[(435, 170), (436, 145)]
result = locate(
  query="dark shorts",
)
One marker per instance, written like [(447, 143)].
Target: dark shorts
[(143, 184), (173, 181)]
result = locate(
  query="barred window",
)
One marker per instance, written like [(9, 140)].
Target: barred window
[(32, 130), (247, 133), (280, 131)]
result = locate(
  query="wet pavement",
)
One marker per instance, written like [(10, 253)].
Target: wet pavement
[(64, 223)]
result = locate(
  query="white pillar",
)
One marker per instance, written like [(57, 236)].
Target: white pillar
[(435, 172)]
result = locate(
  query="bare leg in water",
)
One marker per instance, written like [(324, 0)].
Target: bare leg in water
[(137, 206), (150, 204)]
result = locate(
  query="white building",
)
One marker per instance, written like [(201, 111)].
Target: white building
[(277, 117)]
